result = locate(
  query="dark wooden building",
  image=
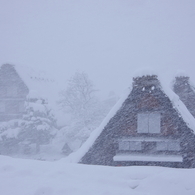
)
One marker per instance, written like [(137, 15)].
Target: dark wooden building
[(148, 129)]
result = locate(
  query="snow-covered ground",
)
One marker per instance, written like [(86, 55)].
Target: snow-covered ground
[(31, 177)]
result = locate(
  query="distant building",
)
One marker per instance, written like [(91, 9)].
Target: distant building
[(149, 128), (16, 83), (186, 92)]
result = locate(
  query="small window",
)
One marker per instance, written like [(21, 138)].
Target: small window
[(142, 123), (129, 145), (123, 145), (148, 123), (149, 146), (134, 145), (161, 146), (173, 146), (154, 123)]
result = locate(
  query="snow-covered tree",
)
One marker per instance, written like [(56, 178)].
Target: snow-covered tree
[(79, 96), (38, 123), (25, 136), (79, 100)]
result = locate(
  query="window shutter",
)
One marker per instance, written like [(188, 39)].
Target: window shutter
[(161, 146), (173, 146), (142, 123), (154, 122), (123, 145), (134, 145)]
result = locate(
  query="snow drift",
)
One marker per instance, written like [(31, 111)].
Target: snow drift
[(30, 177)]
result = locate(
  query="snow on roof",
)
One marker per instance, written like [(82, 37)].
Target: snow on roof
[(185, 76), (39, 83), (192, 85), (144, 72), (75, 157), (181, 73), (178, 104)]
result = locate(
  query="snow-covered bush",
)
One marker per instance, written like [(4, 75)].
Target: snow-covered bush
[(9, 142), (25, 136), (39, 125)]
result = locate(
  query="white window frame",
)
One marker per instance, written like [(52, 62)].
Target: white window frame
[(148, 122)]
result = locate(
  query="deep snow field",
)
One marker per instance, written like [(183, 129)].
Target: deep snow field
[(31, 177)]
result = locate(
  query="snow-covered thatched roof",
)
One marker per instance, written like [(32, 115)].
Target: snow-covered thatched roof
[(35, 80), (180, 107), (39, 83), (177, 104)]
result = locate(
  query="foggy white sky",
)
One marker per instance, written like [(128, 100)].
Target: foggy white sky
[(108, 39)]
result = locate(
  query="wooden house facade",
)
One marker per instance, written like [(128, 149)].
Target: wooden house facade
[(146, 130)]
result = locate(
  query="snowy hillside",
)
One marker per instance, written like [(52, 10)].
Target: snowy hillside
[(29, 177)]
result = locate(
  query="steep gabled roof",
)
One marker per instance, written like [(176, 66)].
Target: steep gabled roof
[(176, 102)]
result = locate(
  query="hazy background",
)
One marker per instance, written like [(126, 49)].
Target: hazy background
[(107, 39)]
